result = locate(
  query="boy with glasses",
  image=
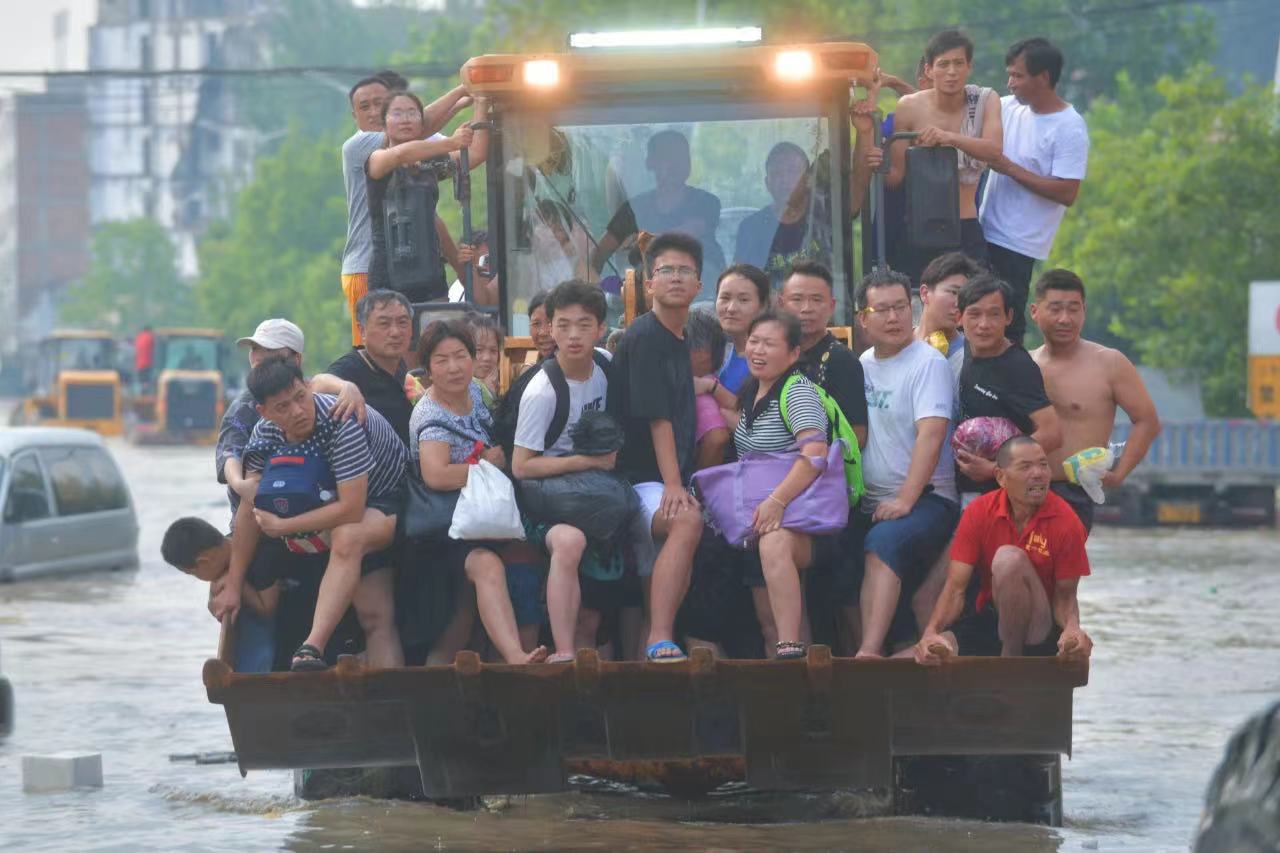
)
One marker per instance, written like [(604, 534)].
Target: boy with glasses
[(653, 399)]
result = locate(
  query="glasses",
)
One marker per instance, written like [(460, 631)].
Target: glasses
[(674, 272), (899, 308), (403, 115)]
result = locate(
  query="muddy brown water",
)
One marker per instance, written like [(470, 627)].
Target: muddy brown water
[(1183, 622)]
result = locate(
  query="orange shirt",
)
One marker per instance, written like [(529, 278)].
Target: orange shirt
[(1053, 538)]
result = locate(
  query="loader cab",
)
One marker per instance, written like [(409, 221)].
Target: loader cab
[(592, 146), (74, 381), (188, 397)]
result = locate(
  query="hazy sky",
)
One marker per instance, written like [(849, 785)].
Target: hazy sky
[(26, 34)]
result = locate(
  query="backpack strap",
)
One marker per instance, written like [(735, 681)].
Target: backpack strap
[(555, 375), (560, 417), (787, 385)]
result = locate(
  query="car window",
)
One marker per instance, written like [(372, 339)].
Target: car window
[(84, 480), (27, 500)]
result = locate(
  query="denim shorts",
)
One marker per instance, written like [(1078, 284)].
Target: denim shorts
[(910, 545)]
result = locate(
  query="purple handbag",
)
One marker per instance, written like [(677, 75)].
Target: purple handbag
[(730, 493)]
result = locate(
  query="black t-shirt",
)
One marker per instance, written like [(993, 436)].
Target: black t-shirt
[(382, 391), (1008, 385), (653, 381), (833, 366)]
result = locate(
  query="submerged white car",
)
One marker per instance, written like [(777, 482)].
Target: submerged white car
[(64, 505)]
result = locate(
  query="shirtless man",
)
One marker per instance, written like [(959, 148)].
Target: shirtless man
[(1086, 382), (949, 114)]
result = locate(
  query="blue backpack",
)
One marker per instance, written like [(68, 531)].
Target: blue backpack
[(294, 482)]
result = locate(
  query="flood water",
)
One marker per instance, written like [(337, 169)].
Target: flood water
[(1183, 623)]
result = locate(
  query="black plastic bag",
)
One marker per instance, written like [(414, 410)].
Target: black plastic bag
[(599, 503), (595, 434)]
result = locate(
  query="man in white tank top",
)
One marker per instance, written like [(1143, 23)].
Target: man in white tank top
[(957, 114)]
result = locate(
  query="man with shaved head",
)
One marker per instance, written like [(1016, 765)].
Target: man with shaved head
[(1028, 548)]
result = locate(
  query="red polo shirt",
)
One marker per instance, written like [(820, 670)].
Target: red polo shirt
[(1053, 538)]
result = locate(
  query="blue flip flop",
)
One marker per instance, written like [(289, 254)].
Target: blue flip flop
[(652, 653)]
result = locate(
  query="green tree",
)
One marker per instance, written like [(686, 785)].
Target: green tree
[(280, 255), (132, 281), (1178, 214), (321, 33), (1146, 40)]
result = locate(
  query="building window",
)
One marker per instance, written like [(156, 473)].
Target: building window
[(144, 50)]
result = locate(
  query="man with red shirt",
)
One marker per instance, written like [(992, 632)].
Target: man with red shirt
[(1028, 547), (144, 355)]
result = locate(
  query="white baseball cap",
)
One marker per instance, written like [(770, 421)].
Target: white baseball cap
[(275, 334)]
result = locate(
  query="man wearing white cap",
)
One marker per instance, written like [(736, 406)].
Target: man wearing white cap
[(275, 338)]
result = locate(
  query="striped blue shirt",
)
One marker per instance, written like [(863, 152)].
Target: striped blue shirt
[(352, 450)]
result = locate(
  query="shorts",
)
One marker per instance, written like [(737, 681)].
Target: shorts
[(600, 567), (524, 585), (825, 549), (849, 564), (718, 606), (645, 548), (602, 596), (274, 562), (709, 416), (978, 635), (1079, 500), (910, 545), (354, 287), (390, 504)]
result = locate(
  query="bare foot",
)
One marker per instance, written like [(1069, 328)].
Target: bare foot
[(560, 657), (861, 655), (538, 655), (945, 649)]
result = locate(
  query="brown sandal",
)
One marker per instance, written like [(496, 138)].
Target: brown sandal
[(788, 650)]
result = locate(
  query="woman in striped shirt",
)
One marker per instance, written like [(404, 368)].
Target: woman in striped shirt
[(773, 353)]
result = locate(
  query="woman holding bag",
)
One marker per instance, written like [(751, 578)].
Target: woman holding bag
[(781, 554), (451, 431)]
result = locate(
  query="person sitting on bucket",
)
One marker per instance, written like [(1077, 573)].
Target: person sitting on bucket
[(576, 312), (762, 424), (1028, 548), (366, 463)]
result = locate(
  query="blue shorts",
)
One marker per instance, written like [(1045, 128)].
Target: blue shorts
[(524, 585), (910, 545)]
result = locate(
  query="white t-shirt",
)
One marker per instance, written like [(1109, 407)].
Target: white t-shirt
[(916, 383), (1052, 145), (538, 406)]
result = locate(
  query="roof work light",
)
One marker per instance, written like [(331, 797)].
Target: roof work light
[(542, 73), (667, 38), (793, 65)]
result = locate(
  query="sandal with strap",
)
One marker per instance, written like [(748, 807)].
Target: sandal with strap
[(308, 659), (664, 651), (787, 650)]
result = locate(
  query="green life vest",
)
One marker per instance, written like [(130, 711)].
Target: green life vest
[(838, 427)]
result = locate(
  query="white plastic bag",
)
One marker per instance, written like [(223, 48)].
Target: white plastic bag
[(486, 507), (1087, 468)]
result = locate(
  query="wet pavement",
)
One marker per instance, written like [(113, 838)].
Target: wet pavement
[(110, 663)]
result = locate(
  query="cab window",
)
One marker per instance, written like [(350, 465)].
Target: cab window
[(85, 480), (27, 500)]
